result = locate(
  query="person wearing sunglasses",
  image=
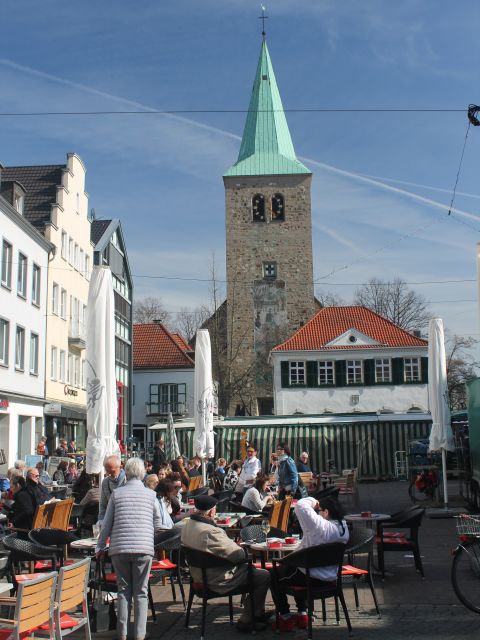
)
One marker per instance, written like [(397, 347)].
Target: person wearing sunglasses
[(250, 469), (28, 499)]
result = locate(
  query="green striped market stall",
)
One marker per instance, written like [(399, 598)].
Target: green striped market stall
[(368, 442)]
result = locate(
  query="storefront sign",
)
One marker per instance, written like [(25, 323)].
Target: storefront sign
[(53, 409), (4, 404), (68, 391)]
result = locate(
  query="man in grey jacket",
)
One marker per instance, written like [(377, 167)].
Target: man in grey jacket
[(201, 533), (131, 519), (114, 478)]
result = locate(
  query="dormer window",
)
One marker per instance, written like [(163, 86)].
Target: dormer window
[(18, 198), (258, 208), (278, 207)]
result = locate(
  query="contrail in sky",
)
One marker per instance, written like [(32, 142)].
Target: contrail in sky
[(349, 174)]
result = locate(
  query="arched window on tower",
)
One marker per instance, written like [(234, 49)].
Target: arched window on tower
[(278, 207), (258, 208)]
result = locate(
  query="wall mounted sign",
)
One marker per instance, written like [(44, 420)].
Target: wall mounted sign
[(69, 391)]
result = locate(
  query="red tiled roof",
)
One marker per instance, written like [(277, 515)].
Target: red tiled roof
[(182, 343), (331, 322), (154, 347)]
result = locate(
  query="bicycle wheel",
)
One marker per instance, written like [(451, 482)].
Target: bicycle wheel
[(466, 574)]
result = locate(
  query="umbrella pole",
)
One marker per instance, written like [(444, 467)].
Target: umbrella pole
[(204, 472), (444, 473)]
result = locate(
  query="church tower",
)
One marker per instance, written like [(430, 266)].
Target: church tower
[(269, 244)]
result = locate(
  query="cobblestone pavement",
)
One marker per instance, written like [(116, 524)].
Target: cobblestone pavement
[(411, 607)]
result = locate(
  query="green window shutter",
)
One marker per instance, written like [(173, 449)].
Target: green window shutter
[(312, 374), (284, 368), (340, 373), (397, 370), (424, 368), (369, 372)]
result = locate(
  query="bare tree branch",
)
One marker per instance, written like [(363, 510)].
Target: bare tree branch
[(149, 309)]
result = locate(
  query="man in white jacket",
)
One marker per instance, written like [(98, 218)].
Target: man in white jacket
[(322, 523), (251, 467)]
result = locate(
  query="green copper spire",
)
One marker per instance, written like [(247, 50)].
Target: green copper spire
[(267, 147)]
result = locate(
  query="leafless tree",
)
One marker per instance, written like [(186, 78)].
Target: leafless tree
[(188, 321), (396, 302), (329, 299), (149, 309), (461, 366)]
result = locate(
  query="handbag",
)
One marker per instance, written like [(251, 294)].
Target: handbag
[(102, 606)]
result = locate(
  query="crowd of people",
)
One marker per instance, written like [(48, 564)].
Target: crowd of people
[(152, 490)]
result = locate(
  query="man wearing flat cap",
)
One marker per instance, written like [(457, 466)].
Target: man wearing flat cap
[(202, 534)]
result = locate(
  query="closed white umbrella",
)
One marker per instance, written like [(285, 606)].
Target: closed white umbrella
[(203, 398), (172, 450), (441, 436), (100, 371)]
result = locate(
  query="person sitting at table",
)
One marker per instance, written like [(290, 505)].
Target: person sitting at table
[(28, 499), (60, 474), (62, 450), (82, 485), (231, 477), (72, 472), (151, 481), (287, 472), (193, 467), (255, 498), (131, 520), (169, 491), (45, 478), (322, 522), (201, 533), (20, 466), (303, 465), (42, 449), (163, 471), (115, 478), (251, 467), (178, 467), (273, 466)]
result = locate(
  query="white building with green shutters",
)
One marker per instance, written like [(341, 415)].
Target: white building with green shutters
[(350, 359)]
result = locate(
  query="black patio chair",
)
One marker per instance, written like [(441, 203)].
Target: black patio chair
[(324, 555), (56, 539), (399, 541), (169, 566), (360, 562), (202, 561), (22, 550)]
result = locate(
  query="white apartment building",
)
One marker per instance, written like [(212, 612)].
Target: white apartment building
[(25, 254), (56, 204)]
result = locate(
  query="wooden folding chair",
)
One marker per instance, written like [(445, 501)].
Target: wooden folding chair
[(33, 609), (195, 483), (70, 595), (280, 514)]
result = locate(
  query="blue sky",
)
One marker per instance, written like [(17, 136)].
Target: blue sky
[(374, 173)]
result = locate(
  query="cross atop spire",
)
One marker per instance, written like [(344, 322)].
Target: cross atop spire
[(263, 17)]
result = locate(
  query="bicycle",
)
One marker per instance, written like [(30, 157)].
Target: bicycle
[(465, 572)]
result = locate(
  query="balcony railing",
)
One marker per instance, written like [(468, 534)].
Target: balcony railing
[(77, 335), (164, 408)]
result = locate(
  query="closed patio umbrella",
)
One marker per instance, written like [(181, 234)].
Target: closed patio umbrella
[(441, 437), (172, 450), (100, 371), (203, 399)]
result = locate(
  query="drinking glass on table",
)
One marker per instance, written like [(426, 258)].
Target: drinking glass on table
[(265, 527)]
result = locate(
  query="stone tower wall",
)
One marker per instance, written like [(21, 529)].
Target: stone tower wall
[(250, 244)]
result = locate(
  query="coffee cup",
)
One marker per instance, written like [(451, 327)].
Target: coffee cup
[(290, 540), (366, 514), (191, 501)]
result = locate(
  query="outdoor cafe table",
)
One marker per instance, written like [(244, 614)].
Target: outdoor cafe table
[(228, 520), (268, 552), (367, 517)]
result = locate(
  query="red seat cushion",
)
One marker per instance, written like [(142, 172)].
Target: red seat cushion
[(66, 622), (405, 541), (21, 577), (267, 565), (394, 534), (47, 564), (163, 564), (349, 570)]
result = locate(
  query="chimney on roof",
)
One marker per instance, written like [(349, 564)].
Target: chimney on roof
[(157, 321), (417, 333)]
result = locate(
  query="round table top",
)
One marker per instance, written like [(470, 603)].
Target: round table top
[(282, 548), (358, 517), (84, 543)]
